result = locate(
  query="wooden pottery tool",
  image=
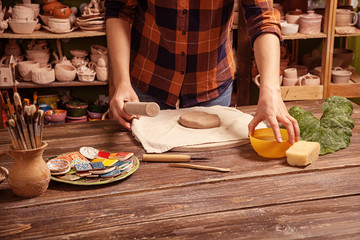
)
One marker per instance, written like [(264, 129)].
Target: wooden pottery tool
[(174, 158), (200, 167), (149, 109)]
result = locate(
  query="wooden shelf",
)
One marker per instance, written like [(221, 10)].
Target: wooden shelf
[(350, 90), (43, 34), (304, 36), (355, 34), (75, 83), (293, 93)]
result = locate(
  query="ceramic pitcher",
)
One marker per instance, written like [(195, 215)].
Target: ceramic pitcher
[(29, 175)]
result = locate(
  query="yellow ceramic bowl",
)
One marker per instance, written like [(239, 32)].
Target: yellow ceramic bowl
[(265, 144)]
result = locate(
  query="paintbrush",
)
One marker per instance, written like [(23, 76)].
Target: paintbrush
[(20, 116), (12, 136), (15, 125), (6, 96), (28, 117), (41, 125), (4, 106), (35, 98), (36, 129), (12, 66)]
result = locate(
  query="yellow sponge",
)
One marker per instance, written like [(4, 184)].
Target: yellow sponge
[(303, 153)]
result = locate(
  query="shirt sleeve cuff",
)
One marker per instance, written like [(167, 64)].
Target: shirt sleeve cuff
[(120, 9), (266, 22)]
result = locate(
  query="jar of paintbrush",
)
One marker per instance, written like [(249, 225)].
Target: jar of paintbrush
[(29, 175)]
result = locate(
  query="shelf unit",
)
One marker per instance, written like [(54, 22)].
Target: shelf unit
[(326, 89), (43, 34)]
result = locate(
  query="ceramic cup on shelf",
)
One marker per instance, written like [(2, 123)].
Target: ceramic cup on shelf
[(345, 17), (290, 81), (257, 80), (290, 73)]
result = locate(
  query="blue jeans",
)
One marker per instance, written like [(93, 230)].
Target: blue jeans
[(223, 100)]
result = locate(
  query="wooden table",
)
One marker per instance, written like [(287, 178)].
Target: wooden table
[(259, 198)]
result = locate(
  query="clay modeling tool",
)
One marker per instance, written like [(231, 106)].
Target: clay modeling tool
[(169, 158), (200, 167), (149, 109)]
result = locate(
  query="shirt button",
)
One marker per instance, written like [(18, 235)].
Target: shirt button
[(181, 72), (185, 11), (183, 32), (182, 53)]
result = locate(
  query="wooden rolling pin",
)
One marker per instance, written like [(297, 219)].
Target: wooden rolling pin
[(149, 109), (168, 158)]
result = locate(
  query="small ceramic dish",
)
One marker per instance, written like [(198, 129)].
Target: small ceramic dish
[(264, 143), (56, 115), (94, 115), (57, 165), (289, 28), (55, 31), (62, 172)]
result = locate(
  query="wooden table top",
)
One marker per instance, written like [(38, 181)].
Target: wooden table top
[(259, 198)]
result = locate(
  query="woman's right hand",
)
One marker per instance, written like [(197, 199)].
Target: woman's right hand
[(123, 93)]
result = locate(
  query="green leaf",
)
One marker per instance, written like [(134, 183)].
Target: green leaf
[(334, 129)]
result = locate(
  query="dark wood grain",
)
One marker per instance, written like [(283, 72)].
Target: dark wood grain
[(259, 198)]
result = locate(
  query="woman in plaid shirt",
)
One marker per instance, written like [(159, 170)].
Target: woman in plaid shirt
[(181, 56)]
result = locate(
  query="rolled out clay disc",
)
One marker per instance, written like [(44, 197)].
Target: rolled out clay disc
[(199, 120)]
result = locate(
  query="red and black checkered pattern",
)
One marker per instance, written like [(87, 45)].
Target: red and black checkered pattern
[(183, 49)]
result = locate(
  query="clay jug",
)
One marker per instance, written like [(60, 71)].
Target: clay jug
[(29, 175), (12, 48)]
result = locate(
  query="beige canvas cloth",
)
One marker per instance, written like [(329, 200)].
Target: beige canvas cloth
[(163, 132)]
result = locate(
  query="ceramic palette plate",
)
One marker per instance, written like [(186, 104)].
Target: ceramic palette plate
[(135, 166)]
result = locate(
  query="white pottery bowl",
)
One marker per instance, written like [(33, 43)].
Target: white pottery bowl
[(22, 27), (34, 6), (289, 28), (59, 25), (26, 67), (43, 75), (22, 13), (65, 72), (79, 53)]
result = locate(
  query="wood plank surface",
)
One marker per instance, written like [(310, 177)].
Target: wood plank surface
[(318, 219), (144, 206), (259, 198)]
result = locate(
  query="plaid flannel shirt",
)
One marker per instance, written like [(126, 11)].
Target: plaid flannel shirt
[(183, 49)]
